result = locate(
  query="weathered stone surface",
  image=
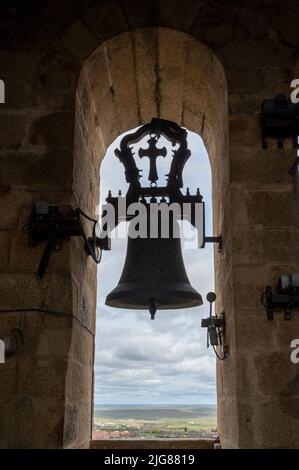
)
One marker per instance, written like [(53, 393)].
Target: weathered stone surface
[(16, 205), (266, 245), (81, 383), (138, 14), (287, 27), (23, 417), (79, 40), (284, 424), (37, 170), (245, 80), (245, 130), (285, 333), (190, 11), (277, 376), (17, 65), (120, 59), (58, 78), (228, 427), (271, 52), (52, 343), (85, 425), (24, 258), (216, 26), (42, 100), (15, 287), (17, 94), (263, 208), (267, 167), (71, 424), (278, 79), (245, 103), (106, 20), (8, 377), (4, 250), (259, 333), (5, 420), (254, 25), (248, 295), (269, 208), (145, 47), (127, 81), (82, 345), (42, 377), (171, 74), (52, 130), (13, 130), (54, 419)]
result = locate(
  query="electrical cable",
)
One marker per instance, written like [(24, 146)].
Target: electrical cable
[(93, 250), (87, 216), (48, 312), (264, 294), (221, 358), (26, 228)]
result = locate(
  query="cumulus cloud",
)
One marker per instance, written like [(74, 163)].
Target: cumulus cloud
[(163, 361)]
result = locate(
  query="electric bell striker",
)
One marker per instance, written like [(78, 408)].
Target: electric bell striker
[(154, 276)]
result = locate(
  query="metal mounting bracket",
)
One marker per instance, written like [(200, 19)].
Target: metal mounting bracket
[(287, 303)]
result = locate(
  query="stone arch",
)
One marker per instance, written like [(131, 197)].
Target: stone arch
[(137, 75), (42, 54)]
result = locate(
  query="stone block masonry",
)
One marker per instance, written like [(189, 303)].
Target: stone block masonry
[(75, 78)]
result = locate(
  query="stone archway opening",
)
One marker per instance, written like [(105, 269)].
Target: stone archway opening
[(155, 379), (145, 73)]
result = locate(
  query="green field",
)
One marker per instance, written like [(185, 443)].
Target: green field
[(155, 422)]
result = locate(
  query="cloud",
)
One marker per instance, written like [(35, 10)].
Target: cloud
[(163, 361)]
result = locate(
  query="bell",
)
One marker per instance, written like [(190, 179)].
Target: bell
[(154, 276)]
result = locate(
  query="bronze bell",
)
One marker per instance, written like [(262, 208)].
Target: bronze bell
[(154, 276)]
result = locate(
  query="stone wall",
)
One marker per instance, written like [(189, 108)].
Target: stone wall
[(54, 129), (35, 163)]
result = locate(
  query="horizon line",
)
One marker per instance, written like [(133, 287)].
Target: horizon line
[(154, 404)]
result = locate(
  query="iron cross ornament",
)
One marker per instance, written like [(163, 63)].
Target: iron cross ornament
[(153, 152)]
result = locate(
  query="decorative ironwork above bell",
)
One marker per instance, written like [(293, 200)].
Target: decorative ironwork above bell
[(154, 276)]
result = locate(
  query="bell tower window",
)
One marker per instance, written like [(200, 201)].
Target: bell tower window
[(154, 379)]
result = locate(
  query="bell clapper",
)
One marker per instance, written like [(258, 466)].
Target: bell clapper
[(153, 308)]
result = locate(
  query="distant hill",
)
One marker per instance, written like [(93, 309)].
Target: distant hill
[(154, 411)]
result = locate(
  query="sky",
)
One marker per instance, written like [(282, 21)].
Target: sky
[(165, 361)]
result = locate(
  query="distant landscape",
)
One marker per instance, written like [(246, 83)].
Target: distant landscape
[(155, 421)]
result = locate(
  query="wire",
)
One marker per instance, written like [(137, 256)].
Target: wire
[(221, 358), (93, 250), (26, 228), (87, 216), (264, 294), (48, 312)]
